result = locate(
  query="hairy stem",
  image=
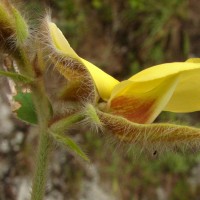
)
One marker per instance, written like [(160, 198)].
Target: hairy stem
[(45, 140), (61, 125), (44, 114), (23, 62), (38, 188)]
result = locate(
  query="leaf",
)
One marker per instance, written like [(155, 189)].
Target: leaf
[(67, 141), (27, 111), (16, 77)]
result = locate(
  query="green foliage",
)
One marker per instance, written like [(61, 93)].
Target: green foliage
[(97, 4), (71, 19), (182, 191), (69, 143), (159, 23), (27, 111), (16, 77), (131, 172)]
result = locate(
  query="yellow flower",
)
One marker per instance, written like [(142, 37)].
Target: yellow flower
[(171, 87), (104, 82)]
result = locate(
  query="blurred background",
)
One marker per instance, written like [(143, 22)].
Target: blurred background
[(122, 37)]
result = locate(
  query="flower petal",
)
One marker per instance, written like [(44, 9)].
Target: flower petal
[(104, 82), (141, 102), (164, 70), (186, 97), (193, 60), (60, 42)]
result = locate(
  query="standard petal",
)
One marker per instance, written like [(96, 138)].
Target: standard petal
[(142, 102), (104, 82), (60, 42), (186, 97)]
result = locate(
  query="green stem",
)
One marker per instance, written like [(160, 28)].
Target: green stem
[(23, 62), (16, 77), (45, 140), (38, 188), (45, 143), (62, 124)]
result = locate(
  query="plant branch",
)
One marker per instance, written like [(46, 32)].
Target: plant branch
[(45, 143), (38, 188), (61, 125)]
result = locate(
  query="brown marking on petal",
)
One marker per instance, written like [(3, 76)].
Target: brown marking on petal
[(66, 63), (79, 86), (133, 109), (70, 89)]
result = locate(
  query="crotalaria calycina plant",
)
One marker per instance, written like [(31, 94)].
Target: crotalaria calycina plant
[(64, 89), (127, 108)]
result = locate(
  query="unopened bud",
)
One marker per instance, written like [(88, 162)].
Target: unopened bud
[(21, 27), (13, 28)]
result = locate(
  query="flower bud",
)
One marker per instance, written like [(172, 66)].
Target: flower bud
[(13, 28), (21, 27)]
